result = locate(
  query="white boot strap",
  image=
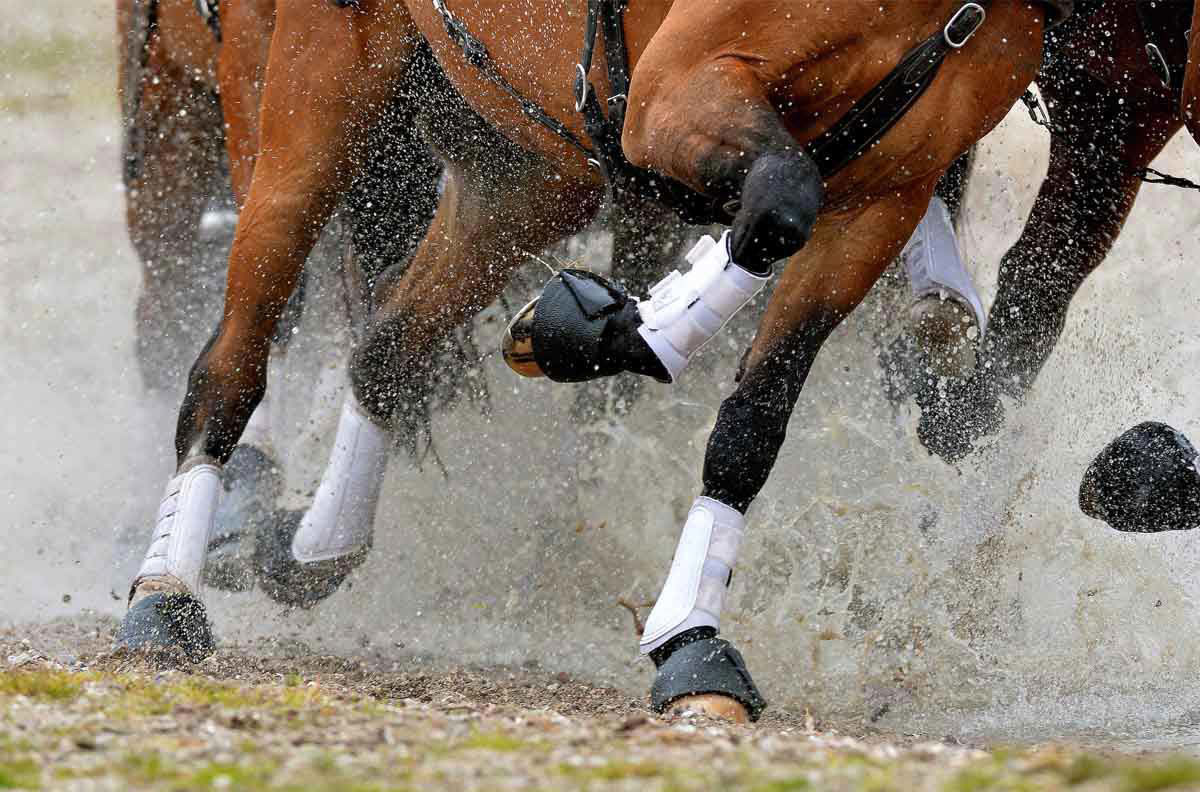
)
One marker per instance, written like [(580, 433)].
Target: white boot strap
[(340, 519), (706, 554), (182, 529), (685, 311)]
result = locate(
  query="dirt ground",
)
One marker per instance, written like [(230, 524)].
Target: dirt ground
[(76, 716)]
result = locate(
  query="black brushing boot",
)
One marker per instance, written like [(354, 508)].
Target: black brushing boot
[(698, 663), (286, 580), (1145, 481)]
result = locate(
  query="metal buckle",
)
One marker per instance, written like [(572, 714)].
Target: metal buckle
[(1159, 63), (581, 88), (954, 19)]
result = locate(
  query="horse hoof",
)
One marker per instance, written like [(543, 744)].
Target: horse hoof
[(170, 621), (711, 705), (252, 485), (517, 344), (1145, 481), (955, 414), (947, 334), (707, 676), (286, 580)]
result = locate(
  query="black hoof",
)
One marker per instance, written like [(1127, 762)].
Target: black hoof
[(955, 415), (583, 327), (252, 485), (286, 580), (167, 621), (1145, 481), (705, 666)]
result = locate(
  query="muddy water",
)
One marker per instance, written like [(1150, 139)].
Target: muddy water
[(877, 585)]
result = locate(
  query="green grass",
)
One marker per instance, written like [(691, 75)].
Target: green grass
[(784, 785), (494, 741), (19, 774), (1169, 774), (51, 685)]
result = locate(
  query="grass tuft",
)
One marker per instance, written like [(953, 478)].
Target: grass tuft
[(52, 685), (1169, 774), (20, 774)]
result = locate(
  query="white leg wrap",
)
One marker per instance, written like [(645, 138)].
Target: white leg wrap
[(684, 311), (342, 514), (700, 572), (258, 429), (935, 263), (181, 532)]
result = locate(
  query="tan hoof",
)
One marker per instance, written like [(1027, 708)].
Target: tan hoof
[(712, 705), (517, 344), (947, 333)]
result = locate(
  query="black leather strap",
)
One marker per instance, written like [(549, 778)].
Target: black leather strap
[(877, 112)]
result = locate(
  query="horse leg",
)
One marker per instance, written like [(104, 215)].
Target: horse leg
[(1090, 186), (246, 31), (172, 138), (1189, 107), (331, 71), (742, 155), (819, 287), (488, 221)]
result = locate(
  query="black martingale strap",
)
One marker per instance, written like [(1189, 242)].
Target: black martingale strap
[(478, 56), (877, 112), (625, 180)]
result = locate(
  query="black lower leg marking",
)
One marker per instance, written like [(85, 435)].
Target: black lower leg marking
[(752, 422)]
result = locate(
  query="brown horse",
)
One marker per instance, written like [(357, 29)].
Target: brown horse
[(724, 97), (1112, 113), (190, 93), (189, 107), (172, 151)]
